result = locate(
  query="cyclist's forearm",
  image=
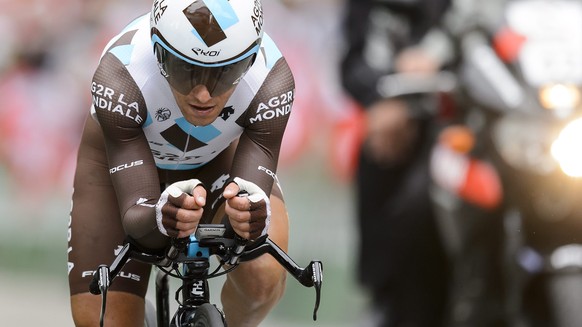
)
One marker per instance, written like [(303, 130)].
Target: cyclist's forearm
[(258, 165), (137, 190), (259, 146)]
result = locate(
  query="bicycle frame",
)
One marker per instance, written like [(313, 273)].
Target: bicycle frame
[(192, 255)]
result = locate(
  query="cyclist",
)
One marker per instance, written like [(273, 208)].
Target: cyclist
[(196, 96)]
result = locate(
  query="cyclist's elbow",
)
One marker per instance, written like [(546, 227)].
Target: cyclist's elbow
[(144, 231)]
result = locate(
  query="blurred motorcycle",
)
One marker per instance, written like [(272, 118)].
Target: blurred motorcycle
[(507, 174)]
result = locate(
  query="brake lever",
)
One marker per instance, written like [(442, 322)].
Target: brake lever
[(312, 275), (104, 275), (99, 285), (316, 269)]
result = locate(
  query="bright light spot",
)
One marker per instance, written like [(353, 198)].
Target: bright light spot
[(567, 149), (559, 96)]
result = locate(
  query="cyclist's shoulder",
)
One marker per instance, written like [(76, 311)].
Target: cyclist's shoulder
[(129, 35), (125, 67), (273, 87), (130, 52), (270, 54), (127, 71), (270, 68)]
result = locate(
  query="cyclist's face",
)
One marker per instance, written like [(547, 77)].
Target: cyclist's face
[(199, 107)]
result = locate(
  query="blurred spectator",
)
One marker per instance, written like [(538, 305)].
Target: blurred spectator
[(44, 85), (309, 38), (401, 259)]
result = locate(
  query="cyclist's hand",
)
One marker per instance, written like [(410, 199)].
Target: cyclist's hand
[(180, 208), (250, 214)]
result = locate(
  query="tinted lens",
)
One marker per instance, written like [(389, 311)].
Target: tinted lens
[(184, 76)]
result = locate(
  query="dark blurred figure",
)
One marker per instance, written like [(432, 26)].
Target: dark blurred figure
[(401, 259)]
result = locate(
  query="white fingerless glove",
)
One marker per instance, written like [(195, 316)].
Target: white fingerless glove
[(258, 199), (174, 190)]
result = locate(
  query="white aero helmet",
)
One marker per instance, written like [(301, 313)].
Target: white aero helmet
[(205, 42)]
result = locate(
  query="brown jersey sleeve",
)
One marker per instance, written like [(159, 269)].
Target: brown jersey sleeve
[(264, 124), (121, 111)]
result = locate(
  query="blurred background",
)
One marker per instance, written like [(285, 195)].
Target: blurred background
[(49, 53)]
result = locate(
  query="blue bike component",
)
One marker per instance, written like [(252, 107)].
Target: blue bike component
[(195, 250)]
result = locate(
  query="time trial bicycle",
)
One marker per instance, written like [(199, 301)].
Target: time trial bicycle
[(188, 259)]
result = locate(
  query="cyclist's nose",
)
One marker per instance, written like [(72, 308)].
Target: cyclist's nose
[(201, 93)]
